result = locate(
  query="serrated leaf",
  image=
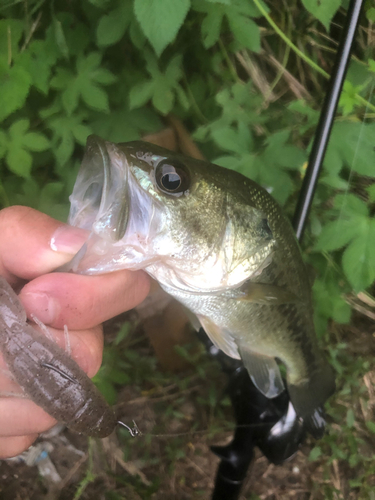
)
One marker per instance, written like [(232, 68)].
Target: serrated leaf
[(163, 99), (103, 76), (60, 38), (19, 161), (94, 96), (160, 20), (112, 26), (37, 61), (245, 31), (337, 234), (66, 130), (70, 98), (350, 205), (14, 88), (19, 128), (84, 84), (360, 157), (210, 28), (229, 140), (10, 34), (322, 10), (18, 142), (34, 141), (358, 259), (140, 94)]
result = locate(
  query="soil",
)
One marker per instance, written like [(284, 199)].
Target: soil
[(172, 459)]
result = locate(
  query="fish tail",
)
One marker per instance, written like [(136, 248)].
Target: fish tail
[(309, 396)]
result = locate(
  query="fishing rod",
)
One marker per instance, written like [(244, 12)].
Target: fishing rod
[(282, 431)]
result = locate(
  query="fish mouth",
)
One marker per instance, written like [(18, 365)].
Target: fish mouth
[(100, 198), (100, 203), (108, 201)]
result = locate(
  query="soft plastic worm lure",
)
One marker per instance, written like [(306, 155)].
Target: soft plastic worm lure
[(49, 376)]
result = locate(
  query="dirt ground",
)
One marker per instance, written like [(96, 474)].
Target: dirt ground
[(172, 459)]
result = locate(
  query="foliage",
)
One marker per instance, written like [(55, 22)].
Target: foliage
[(247, 78)]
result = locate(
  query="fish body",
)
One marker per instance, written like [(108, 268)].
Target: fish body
[(219, 244)]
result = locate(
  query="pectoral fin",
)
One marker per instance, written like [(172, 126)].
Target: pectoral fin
[(220, 337), (260, 293), (264, 372)]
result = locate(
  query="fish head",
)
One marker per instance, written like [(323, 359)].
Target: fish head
[(180, 219)]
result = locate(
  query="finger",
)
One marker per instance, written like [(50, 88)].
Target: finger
[(13, 446), (83, 301), (21, 416), (32, 243)]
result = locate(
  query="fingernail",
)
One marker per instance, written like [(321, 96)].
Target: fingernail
[(41, 305), (68, 239)]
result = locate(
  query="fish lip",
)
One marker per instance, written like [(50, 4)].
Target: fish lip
[(104, 211)]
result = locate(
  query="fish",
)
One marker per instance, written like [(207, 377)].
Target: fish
[(218, 243), (48, 375)]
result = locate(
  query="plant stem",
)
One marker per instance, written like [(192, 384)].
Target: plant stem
[(303, 56), (231, 68)]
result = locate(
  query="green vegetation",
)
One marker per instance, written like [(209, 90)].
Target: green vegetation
[(247, 78)]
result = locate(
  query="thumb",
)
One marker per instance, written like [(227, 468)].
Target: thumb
[(33, 243)]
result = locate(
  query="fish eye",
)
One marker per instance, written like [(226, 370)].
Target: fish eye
[(172, 177)]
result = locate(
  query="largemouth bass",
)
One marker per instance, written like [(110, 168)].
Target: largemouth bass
[(219, 244)]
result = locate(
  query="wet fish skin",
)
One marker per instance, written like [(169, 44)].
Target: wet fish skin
[(220, 245)]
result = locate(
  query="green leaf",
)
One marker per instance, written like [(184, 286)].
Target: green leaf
[(315, 453), (245, 30), (60, 38), (10, 34), (337, 234), (94, 96), (350, 205), (112, 26), (163, 98), (348, 97), (358, 260), (229, 140), (35, 141), (140, 94), (14, 88), (346, 150), (322, 10), (160, 20), (370, 426), (350, 418), (17, 144), (67, 130), (38, 60), (19, 161), (211, 26), (84, 84), (371, 192)]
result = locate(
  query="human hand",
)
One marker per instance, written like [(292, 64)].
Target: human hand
[(32, 245)]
